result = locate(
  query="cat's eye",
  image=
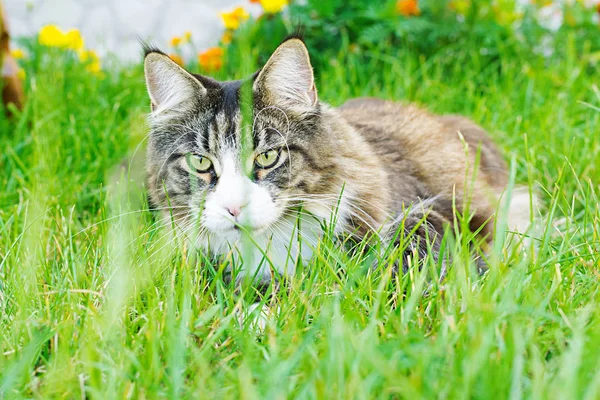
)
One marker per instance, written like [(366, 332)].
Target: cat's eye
[(267, 159), (198, 163)]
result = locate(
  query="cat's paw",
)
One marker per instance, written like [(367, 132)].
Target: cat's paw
[(420, 245)]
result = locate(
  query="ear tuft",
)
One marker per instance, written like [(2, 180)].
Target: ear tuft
[(170, 87), (288, 76)]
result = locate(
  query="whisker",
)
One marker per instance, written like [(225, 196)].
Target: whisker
[(175, 238), (125, 214), (337, 197), (353, 214), (294, 229)]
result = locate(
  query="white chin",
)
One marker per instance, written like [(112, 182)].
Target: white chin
[(230, 236)]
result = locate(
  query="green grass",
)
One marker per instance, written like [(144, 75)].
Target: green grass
[(95, 301)]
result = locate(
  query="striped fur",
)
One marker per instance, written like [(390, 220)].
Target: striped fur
[(376, 165)]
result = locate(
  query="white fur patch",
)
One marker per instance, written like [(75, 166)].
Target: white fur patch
[(271, 237), (519, 217)]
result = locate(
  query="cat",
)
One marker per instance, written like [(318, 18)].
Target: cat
[(261, 192)]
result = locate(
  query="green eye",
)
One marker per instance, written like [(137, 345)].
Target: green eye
[(267, 159), (198, 163)]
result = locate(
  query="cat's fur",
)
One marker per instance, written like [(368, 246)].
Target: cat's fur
[(369, 167)]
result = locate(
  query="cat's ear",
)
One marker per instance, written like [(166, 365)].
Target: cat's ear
[(288, 77), (170, 87)]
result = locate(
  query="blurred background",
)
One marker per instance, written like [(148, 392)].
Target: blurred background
[(229, 39), (114, 25)]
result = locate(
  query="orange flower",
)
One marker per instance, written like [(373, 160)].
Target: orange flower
[(211, 59), (177, 58), (408, 8), (255, 1)]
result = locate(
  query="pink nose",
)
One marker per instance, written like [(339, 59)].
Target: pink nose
[(234, 211)]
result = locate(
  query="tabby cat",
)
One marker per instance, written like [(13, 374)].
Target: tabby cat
[(260, 190)]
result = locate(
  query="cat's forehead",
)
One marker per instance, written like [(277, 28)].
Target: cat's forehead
[(217, 120), (220, 123)]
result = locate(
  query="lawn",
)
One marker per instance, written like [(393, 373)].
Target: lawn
[(96, 301)]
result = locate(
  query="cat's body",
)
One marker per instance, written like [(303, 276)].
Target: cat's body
[(426, 156), (261, 191)]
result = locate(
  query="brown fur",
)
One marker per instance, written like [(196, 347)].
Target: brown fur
[(399, 154), (12, 90)]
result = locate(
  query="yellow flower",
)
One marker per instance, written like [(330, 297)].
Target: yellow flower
[(179, 40), (73, 40), (176, 41), (506, 15), (408, 8), (570, 19), (273, 6), (227, 37), (541, 3), (21, 74), (88, 55), (233, 19), (460, 6), (177, 58), (211, 59), (95, 68), (92, 60), (53, 36), (17, 54)]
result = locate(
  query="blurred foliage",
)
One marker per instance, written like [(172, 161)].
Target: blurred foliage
[(426, 27)]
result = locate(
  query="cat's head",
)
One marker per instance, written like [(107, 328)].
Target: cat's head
[(209, 165)]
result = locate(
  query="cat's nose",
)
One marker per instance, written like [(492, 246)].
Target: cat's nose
[(234, 211)]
